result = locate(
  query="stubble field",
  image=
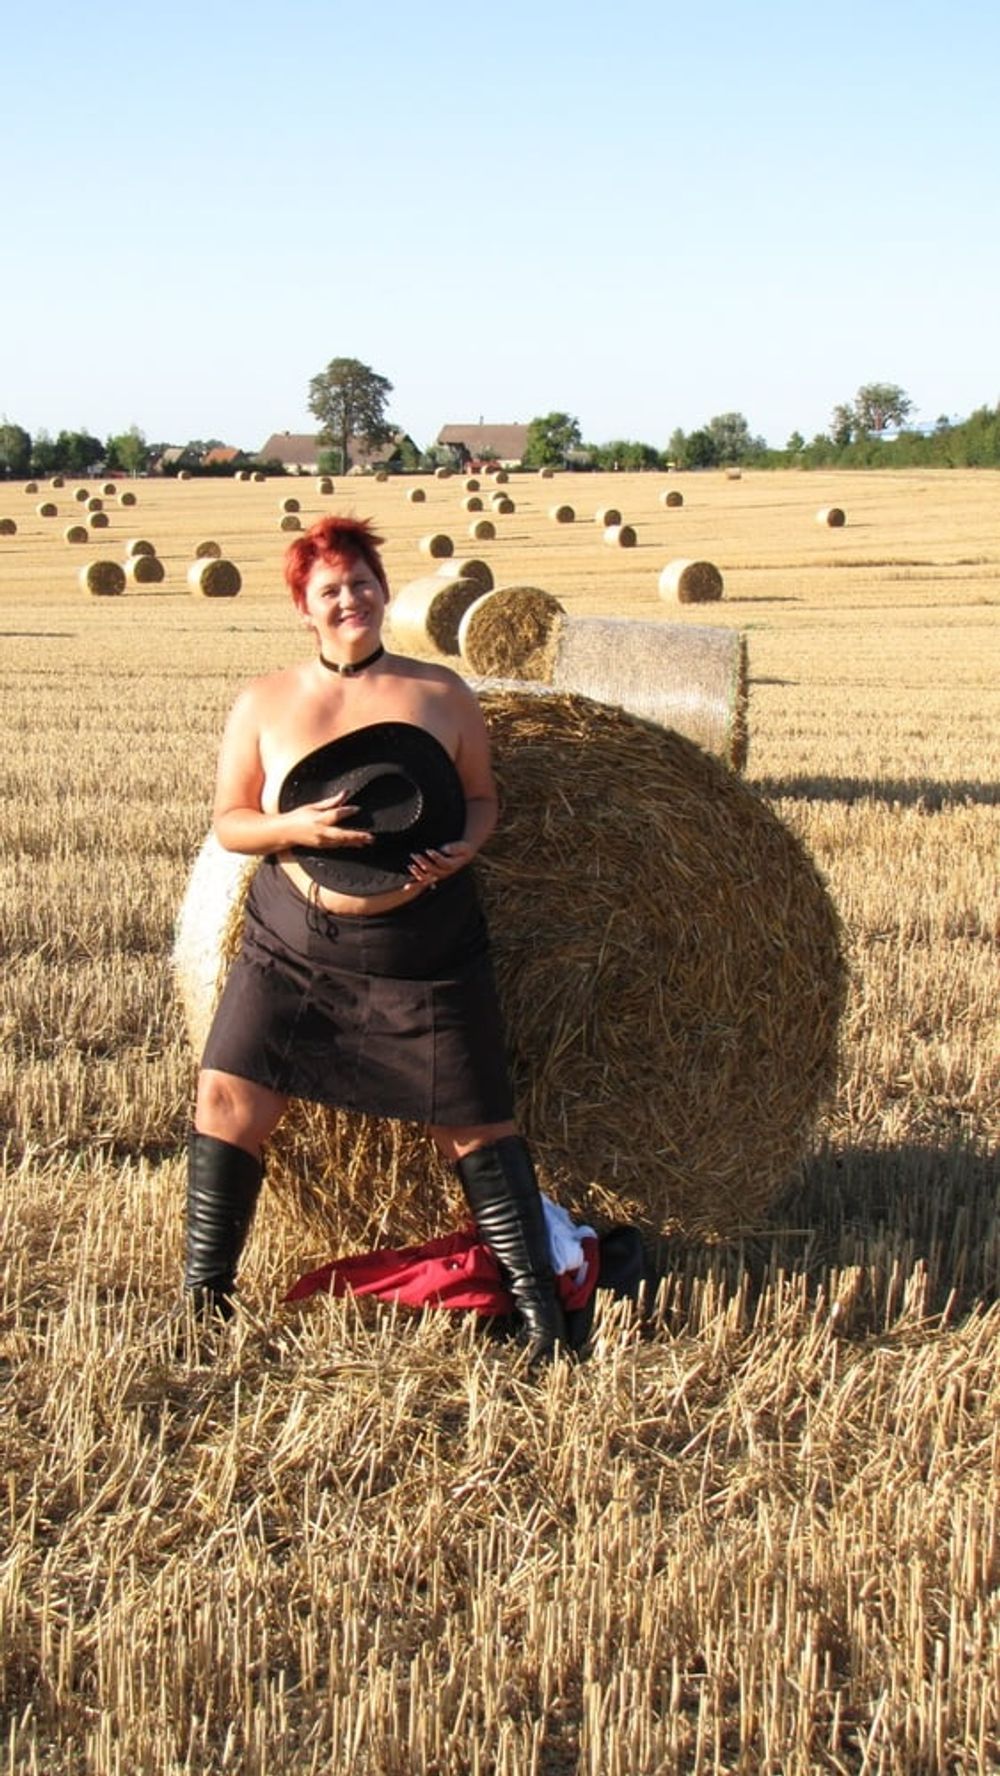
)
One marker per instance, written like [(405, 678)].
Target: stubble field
[(757, 1533)]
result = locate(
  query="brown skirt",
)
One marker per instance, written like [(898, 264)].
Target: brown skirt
[(391, 1014)]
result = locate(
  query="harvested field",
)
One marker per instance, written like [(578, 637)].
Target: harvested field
[(756, 1532)]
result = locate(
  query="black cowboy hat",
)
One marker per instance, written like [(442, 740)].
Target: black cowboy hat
[(406, 790)]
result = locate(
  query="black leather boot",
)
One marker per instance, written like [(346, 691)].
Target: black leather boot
[(502, 1191), (223, 1185)]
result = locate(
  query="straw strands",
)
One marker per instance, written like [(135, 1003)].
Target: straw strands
[(437, 545), (211, 578), (834, 516), (425, 614), (671, 1044), (102, 579), (693, 680), (691, 582)]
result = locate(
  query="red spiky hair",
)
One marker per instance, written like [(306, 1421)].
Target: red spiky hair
[(333, 539)]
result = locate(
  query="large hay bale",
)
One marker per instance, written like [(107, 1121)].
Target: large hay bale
[(473, 502), (503, 505), (57, 481), (562, 514), (128, 498), (185, 475), (289, 521), (110, 488), (47, 509), (139, 546), (693, 680), (76, 533), (500, 477), (621, 536), (31, 487), (145, 570), (95, 503), (546, 474), (437, 545), (482, 530), (381, 475), (670, 968), (691, 582), (605, 516), (259, 477), (99, 521), (324, 485), (734, 474), (289, 504), (468, 567), (102, 579), (209, 550), (211, 577), (8, 527), (671, 498), (416, 495), (81, 494), (472, 484), (834, 516), (509, 633), (442, 474), (426, 613)]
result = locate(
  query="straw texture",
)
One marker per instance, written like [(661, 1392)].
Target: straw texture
[(691, 582), (670, 967), (437, 545), (511, 633), (468, 567), (425, 614), (102, 579)]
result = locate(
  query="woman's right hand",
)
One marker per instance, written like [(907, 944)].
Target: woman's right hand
[(319, 825)]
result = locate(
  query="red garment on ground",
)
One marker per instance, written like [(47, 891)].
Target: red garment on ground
[(458, 1271)]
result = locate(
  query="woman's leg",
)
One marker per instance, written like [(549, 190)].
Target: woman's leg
[(233, 1118), (497, 1175)]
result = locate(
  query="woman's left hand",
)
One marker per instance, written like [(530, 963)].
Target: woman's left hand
[(428, 868)]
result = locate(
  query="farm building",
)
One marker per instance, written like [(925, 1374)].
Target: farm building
[(478, 444), (299, 452)]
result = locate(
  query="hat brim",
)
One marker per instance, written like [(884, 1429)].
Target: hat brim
[(408, 794)]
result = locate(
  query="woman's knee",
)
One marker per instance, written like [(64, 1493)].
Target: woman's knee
[(454, 1143), (236, 1110)]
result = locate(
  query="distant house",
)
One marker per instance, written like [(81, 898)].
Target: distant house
[(504, 444), (176, 456), (222, 456), (299, 452)]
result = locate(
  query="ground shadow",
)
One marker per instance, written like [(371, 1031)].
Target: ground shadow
[(892, 792)]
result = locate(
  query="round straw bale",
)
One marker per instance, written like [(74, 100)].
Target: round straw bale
[(468, 567), (670, 969), (562, 514), (442, 474), (290, 521), (425, 614), (503, 505), (381, 474), (145, 570), (416, 495), (242, 475), (110, 488), (546, 474), (289, 504), (99, 521), (473, 502), (437, 545), (472, 484), (76, 533), (47, 509), (31, 487), (671, 498), (82, 494), (57, 481), (500, 476), (95, 503), (733, 474), (511, 633), (620, 536), (139, 546), (102, 579), (606, 515), (259, 476), (127, 498), (834, 516), (209, 550), (185, 475), (482, 530), (8, 527), (324, 484), (211, 578), (691, 582)]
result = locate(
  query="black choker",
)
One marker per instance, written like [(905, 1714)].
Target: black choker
[(349, 671)]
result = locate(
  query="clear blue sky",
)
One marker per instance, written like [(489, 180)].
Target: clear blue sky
[(644, 214)]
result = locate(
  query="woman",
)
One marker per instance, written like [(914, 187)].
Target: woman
[(363, 779)]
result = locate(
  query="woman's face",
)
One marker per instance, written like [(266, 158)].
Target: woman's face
[(344, 603)]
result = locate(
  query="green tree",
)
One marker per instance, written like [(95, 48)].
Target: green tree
[(551, 440), (128, 451), (44, 455), (733, 442), (78, 452), (701, 449), (796, 444), (15, 450), (349, 400), (842, 425), (880, 404)]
